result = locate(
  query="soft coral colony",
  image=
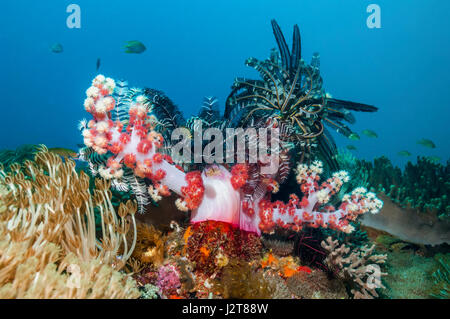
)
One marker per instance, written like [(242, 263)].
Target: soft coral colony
[(230, 208), (135, 145)]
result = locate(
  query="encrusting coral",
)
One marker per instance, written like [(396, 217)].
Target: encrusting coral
[(48, 244), (359, 267)]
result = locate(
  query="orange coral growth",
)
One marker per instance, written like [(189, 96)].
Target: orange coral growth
[(205, 251), (187, 234), (270, 260), (288, 271)]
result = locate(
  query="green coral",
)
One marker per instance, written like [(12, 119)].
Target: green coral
[(423, 185), (150, 291)]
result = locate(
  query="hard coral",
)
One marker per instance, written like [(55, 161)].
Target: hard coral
[(360, 267)]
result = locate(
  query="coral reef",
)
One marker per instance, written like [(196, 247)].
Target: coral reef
[(277, 285), (48, 244), (360, 267), (66, 234)]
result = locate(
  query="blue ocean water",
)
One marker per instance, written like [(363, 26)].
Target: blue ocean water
[(196, 48)]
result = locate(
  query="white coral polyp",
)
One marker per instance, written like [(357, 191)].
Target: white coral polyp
[(118, 174), (322, 196), (342, 176), (100, 106), (102, 127), (93, 92), (108, 102), (101, 141), (316, 167), (359, 191), (181, 205), (99, 79), (88, 103), (105, 173), (154, 194), (110, 84)]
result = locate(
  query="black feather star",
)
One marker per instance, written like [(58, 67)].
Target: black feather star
[(291, 92)]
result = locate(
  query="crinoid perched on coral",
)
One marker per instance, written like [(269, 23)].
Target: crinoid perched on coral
[(359, 267), (47, 231), (291, 91)]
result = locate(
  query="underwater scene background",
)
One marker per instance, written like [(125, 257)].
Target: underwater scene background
[(358, 206)]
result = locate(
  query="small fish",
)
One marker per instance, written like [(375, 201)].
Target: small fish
[(370, 133), (98, 64), (351, 147), (57, 48), (426, 143), (404, 153), (134, 47), (433, 159), (63, 152), (354, 137)]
